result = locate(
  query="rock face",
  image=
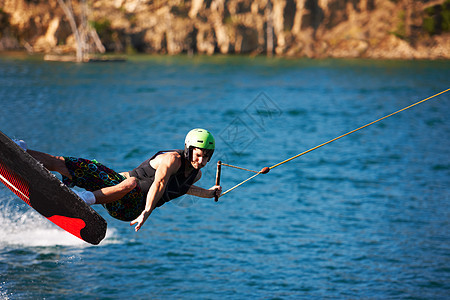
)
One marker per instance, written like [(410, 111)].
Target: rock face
[(394, 29)]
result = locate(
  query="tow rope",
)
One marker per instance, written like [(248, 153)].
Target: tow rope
[(266, 170)]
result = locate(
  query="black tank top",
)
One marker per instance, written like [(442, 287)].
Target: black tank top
[(177, 185)]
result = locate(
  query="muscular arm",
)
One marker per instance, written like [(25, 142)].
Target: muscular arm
[(165, 166), (201, 192)]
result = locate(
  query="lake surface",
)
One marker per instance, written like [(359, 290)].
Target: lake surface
[(367, 216)]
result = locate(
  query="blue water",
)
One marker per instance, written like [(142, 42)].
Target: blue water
[(367, 216)]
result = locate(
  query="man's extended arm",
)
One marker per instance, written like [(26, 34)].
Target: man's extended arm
[(201, 192), (204, 193), (168, 165)]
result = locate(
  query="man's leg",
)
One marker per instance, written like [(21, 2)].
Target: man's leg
[(50, 162), (102, 196), (116, 192)]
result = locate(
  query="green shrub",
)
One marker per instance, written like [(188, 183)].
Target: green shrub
[(437, 18), (102, 26)]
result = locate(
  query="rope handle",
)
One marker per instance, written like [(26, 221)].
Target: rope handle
[(219, 168)]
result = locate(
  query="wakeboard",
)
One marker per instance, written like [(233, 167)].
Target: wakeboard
[(44, 192)]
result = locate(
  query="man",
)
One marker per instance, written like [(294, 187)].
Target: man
[(132, 196)]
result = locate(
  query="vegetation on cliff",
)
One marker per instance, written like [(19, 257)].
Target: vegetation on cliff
[(301, 28)]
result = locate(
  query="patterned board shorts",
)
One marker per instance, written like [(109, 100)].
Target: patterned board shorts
[(92, 175)]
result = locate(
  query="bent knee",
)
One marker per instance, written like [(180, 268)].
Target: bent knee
[(130, 183)]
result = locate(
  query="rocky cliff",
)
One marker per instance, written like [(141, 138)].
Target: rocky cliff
[(405, 29)]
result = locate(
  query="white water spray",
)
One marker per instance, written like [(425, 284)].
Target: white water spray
[(20, 225)]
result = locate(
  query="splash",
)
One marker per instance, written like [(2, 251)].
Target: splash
[(22, 226)]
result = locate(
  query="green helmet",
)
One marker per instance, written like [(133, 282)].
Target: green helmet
[(199, 138)]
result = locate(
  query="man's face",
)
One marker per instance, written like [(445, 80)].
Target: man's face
[(199, 158)]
